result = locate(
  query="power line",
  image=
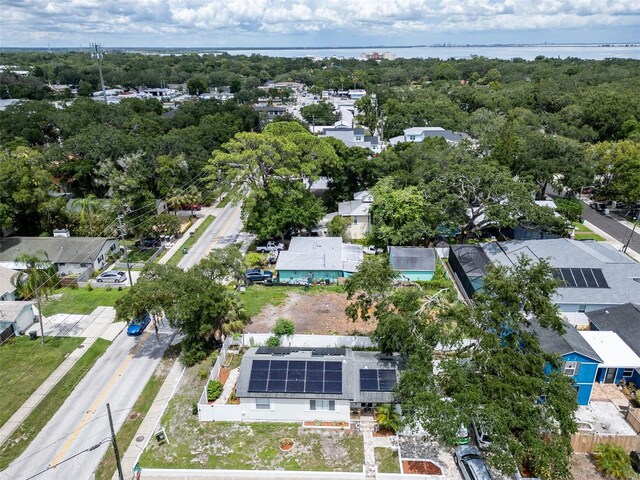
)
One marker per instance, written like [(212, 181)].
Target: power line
[(51, 467)]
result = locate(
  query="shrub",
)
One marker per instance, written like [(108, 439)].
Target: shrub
[(284, 326), (255, 260), (203, 374), (273, 341), (89, 287), (192, 353), (613, 461), (214, 390)]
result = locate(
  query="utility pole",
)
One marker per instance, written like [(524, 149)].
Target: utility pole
[(126, 250), (626, 245), (40, 313), (115, 444), (98, 56)]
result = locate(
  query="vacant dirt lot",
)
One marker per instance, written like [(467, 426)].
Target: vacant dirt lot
[(319, 313), (583, 468)]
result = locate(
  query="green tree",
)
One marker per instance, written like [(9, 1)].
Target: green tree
[(388, 417), (319, 114), (88, 207), (223, 264), (369, 285), (504, 361), (337, 226), (37, 278)]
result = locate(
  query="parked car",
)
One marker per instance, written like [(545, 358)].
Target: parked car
[(270, 247), (371, 250), (471, 463), (195, 206), (148, 243), (111, 276), (273, 257), (480, 435), (257, 275), (138, 324), (635, 460)]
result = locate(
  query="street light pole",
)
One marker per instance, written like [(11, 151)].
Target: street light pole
[(635, 223), (126, 250)]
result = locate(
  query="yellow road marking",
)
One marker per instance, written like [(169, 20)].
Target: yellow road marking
[(100, 398)]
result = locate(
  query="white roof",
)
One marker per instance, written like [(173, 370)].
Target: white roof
[(546, 203), (5, 280), (419, 130), (613, 351)]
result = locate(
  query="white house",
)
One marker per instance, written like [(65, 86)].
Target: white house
[(354, 137), (70, 255), (20, 315), (7, 290), (418, 134), (357, 211), (310, 384)]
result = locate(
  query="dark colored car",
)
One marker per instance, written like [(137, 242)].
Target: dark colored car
[(138, 324), (257, 275), (148, 243), (471, 463), (635, 460)]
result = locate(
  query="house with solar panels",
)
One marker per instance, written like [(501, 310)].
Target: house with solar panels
[(593, 275), (310, 384)]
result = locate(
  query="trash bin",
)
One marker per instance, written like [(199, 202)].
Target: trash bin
[(33, 335), (184, 250)]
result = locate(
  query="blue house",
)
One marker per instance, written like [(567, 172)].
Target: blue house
[(618, 360), (580, 361), (413, 263), (324, 259), (624, 320)]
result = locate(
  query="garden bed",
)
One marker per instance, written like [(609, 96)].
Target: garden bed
[(384, 432), (331, 425), (420, 467)]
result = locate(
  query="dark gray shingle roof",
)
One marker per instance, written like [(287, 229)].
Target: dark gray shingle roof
[(623, 320), (58, 249), (552, 342)]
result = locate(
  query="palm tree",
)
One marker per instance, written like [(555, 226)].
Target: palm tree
[(39, 277), (388, 418), (88, 205), (236, 319), (192, 196), (176, 201)]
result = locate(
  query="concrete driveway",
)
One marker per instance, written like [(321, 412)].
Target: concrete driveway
[(99, 323)]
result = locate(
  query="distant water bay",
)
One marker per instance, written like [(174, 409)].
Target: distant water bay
[(505, 52)]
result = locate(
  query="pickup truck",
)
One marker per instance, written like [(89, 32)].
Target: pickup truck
[(270, 247)]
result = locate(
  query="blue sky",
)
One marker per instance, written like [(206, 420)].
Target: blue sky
[(309, 23)]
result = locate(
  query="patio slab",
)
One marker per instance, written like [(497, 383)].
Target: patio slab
[(604, 418)]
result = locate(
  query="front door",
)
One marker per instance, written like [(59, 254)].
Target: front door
[(611, 375)]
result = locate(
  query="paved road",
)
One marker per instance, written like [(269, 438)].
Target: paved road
[(224, 230), (117, 378), (613, 227)]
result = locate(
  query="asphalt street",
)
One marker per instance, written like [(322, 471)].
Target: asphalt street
[(224, 230), (612, 226), (118, 378)]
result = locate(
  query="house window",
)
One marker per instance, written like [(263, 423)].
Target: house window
[(355, 220), (412, 137), (582, 308), (627, 372), (263, 404), (322, 405), (571, 368), (358, 138)]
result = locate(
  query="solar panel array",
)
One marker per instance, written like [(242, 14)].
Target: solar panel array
[(295, 376), (581, 277), (377, 380)]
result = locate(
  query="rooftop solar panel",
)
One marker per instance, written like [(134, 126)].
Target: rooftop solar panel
[(589, 278), (568, 277), (579, 277), (295, 376), (602, 283)]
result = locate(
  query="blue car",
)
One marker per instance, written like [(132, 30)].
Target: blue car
[(138, 324)]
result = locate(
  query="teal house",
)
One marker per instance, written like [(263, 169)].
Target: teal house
[(413, 263), (317, 259)]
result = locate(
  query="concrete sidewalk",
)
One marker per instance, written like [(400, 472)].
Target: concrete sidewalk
[(180, 241), (108, 330), (151, 420)]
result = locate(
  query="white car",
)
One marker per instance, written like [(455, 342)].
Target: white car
[(111, 276), (371, 250)]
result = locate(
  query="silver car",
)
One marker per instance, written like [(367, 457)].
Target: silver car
[(471, 463), (111, 276)]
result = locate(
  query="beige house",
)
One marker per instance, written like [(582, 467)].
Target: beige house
[(357, 211)]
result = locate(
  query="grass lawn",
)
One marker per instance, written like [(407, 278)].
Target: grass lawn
[(225, 201), (251, 446), (175, 259), (139, 256), (257, 297), (82, 300), (583, 233), (39, 361), (107, 466), (387, 460), (25, 433)]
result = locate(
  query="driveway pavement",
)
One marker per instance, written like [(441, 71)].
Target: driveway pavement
[(74, 325)]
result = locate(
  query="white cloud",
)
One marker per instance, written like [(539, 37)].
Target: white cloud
[(216, 21)]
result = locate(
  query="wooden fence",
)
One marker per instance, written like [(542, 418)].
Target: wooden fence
[(586, 442), (633, 418)]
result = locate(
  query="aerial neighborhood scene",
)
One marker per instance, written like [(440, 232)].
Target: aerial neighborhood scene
[(320, 240)]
